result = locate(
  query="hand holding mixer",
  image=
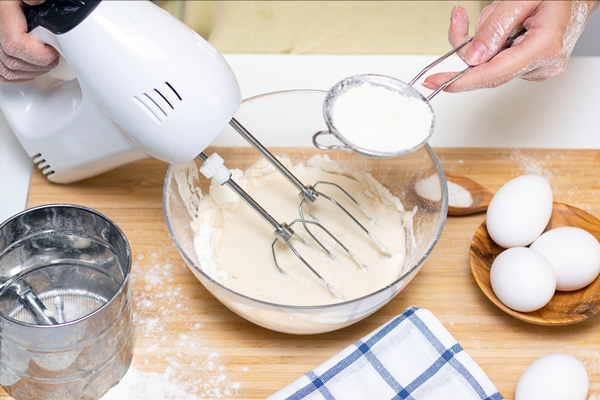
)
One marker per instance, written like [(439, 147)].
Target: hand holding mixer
[(146, 85)]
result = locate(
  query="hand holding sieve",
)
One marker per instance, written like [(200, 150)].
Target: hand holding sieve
[(396, 146)]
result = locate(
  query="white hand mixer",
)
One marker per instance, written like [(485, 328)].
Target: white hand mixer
[(146, 85)]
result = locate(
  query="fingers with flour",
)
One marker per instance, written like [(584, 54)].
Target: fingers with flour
[(553, 28), (22, 57), (494, 25)]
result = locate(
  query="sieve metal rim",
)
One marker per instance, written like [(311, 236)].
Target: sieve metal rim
[(126, 269), (384, 81)]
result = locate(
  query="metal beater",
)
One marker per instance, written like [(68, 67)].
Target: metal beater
[(214, 168)]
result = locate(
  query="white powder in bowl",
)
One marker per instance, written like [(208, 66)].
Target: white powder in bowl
[(381, 120), (458, 196), (429, 188)]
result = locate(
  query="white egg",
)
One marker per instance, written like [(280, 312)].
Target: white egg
[(522, 279), (519, 211), (553, 377), (573, 252)]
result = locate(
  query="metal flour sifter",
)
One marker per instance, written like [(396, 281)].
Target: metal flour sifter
[(66, 323)]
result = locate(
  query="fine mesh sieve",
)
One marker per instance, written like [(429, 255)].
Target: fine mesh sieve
[(403, 89), (65, 317), (56, 293), (73, 306), (62, 305)]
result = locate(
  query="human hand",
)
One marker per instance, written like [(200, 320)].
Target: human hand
[(553, 28), (22, 57)]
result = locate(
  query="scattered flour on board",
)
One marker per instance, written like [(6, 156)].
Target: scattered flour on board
[(535, 164), (590, 358), (188, 376), (530, 165)]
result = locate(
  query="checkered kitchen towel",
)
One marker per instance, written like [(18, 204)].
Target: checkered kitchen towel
[(411, 357)]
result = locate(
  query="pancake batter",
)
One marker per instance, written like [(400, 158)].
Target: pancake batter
[(233, 243)]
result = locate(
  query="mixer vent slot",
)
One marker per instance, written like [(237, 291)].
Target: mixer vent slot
[(158, 103), (43, 165)]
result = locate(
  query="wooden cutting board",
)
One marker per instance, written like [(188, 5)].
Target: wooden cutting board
[(187, 341)]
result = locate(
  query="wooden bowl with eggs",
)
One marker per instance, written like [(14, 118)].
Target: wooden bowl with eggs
[(565, 307)]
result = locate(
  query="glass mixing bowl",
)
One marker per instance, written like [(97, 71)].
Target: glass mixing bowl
[(284, 122)]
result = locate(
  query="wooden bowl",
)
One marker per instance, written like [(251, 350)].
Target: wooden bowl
[(565, 307)]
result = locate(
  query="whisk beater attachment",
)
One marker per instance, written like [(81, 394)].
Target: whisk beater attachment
[(308, 194), (214, 168), (380, 246)]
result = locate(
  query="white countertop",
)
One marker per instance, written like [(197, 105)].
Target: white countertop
[(560, 113)]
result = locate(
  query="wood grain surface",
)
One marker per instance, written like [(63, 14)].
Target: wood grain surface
[(188, 339)]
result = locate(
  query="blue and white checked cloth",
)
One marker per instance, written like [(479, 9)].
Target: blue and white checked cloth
[(411, 357)]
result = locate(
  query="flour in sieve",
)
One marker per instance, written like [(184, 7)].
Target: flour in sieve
[(374, 118)]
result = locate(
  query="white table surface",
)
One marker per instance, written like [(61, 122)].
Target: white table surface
[(560, 113)]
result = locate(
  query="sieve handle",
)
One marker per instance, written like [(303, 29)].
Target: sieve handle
[(315, 140), (505, 46)]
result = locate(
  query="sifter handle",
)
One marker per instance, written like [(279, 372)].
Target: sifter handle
[(505, 46)]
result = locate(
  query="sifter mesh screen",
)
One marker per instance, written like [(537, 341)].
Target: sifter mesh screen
[(64, 305)]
